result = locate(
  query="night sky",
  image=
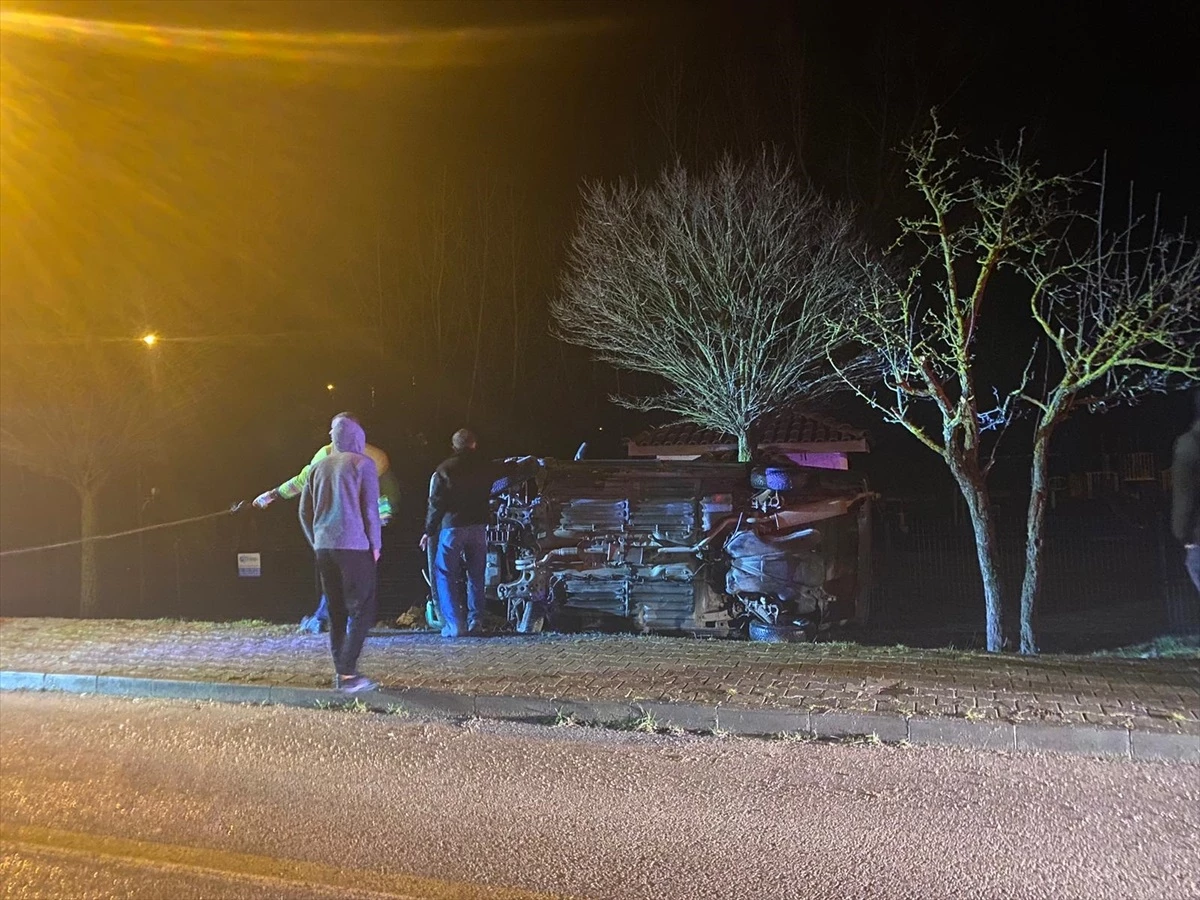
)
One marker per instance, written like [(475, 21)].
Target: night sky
[(389, 216)]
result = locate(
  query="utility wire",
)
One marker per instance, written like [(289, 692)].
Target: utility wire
[(116, 534)]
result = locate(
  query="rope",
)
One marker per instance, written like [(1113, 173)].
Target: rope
[(116, 534)]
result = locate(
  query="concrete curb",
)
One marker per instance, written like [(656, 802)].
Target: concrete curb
[(1084, 740)]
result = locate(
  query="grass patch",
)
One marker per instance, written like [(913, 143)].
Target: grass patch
[(206, 625), (353, 706), (565, 720), (398, 710), (644, 724), (1167, 646), (861, 740), (793, 737)]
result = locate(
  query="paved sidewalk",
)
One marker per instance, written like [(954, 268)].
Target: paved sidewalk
[(826, 688)]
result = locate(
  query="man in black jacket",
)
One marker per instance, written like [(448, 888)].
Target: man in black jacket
[(459, 511), (1185, 499)]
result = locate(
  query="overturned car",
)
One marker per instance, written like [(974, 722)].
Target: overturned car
[(694, 547)]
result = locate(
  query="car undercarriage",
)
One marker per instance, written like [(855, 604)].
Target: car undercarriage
[(679, 547)]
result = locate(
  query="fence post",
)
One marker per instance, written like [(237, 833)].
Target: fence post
[(866, 581), (178, 584)]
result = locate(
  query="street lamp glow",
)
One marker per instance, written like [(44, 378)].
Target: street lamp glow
[(150, 340), (330, 387)]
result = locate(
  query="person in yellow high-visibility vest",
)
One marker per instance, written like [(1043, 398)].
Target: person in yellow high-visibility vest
[(389, 496), (290, 489)]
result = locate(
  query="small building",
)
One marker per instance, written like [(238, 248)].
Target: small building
[(804, 438)]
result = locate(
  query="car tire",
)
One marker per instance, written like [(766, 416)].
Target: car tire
[(781, 634), (531, 620), (771, 478), (779, 479)]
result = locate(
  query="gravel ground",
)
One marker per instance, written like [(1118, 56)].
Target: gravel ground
[(571, 811)]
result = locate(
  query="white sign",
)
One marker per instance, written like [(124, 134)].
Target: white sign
[(249, 565)]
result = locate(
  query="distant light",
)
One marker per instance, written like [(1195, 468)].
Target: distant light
[(329, 387), (150, 340)]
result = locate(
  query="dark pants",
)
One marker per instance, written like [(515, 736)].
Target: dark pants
[(348, 579), (459, 572)]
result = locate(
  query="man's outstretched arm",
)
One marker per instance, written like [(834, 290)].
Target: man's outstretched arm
[(291, 488), (286, 491)]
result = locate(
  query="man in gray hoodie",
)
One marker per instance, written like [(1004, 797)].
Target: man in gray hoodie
[(339, 512)]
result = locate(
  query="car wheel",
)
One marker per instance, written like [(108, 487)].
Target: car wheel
[(772, 478), (781, 634), (531, 620), (779, 479)]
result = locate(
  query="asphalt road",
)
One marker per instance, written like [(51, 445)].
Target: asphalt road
[(106, 798)]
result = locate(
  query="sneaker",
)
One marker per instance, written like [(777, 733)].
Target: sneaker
[(310, 625), (355, 684)]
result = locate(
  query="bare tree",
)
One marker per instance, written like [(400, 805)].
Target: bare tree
[(483, 276), (433, 261), (717, 283), (791, 67), (82, 411), (1118, 320), (516, 293), (664, 100)]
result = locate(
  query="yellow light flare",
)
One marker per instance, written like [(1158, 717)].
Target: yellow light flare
[(412, 48), (68, 166), (150, 340), (330, 387)]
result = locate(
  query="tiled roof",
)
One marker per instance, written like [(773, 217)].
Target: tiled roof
[(788, 427)]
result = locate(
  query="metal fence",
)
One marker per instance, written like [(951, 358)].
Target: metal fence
[(927, 571), (193, 573)]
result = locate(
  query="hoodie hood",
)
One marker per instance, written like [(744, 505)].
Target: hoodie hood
[(348, 436)]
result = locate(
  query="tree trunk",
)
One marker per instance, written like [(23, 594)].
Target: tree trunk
[(475, 366), (744, 448), (1035, 519), (516, 303), (89, 598), (979, 504), (483, 286)]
